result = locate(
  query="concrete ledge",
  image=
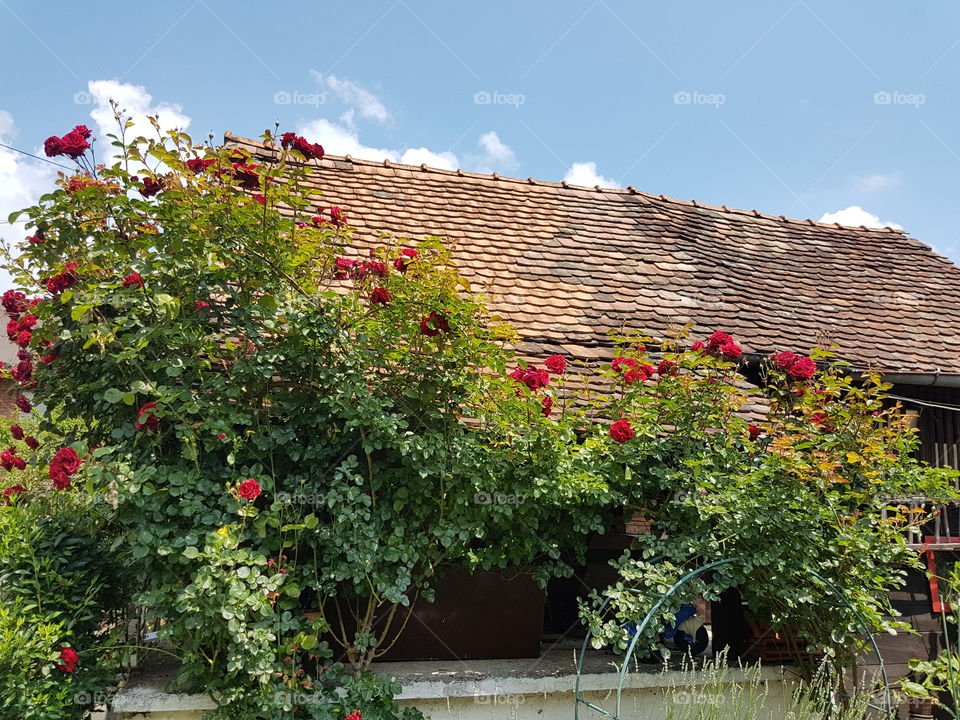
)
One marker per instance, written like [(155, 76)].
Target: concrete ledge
[(437, 684)]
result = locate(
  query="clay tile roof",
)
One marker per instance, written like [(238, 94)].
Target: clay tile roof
[(566, 264)]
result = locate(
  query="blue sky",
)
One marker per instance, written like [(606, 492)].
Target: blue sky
[(801, 108)]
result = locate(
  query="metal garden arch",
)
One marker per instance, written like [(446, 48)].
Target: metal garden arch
[(887, 708)]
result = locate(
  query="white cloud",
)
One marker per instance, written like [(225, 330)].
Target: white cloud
[(876, 182), (496, 156), (22, 182), (356, 96), (856, 216), (136, 103), (339, 140), (585, 173)]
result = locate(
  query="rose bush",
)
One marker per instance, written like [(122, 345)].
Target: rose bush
[(285, 422)]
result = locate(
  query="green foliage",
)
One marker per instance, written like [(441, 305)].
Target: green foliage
[(813, 492), (60, 586)]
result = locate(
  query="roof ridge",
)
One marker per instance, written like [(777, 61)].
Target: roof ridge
[(629, 190)]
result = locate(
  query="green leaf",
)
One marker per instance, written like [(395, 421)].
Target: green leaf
[(191, 552), (113, 396)]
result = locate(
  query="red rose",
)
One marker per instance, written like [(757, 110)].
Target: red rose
[(343, 266), (698, 345), (337, 217), (621, 430), (546, 405), (12, 492), (355, 715), (23, 338), (754, 432), (407, 256), (785, 360), (31, 442), (373, 267), (28, 321), (249, 489), (146, 419), (73, 144), (221, 436), (83, 130), (52, 146), (718, 340), (133, 280), (201, 305), (286, 140), (151, 186), (666, 367), (380, 296), (731, 350), (619, 363), (69, 659), (535, 378), (247, 176), (309, 150), (24, 404), (68, 459), (433, 324), (14, 302), (17, 432), (259, 198), (803, 369), (556, 364), (23, 372), (35, 240), (198, 165), (9, 460), (59, 283)]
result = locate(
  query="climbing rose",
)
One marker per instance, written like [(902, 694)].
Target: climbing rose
[(731, 350), (343, 266), (249, 489), (9, 460), (74, 144), (337, 217), (355, 715), (621, 430), (17, 432), (619, 363), (133, 280), (246, 175), (52, 146), (201, 305), (803, 369), (64, 464), (14, 302), (146, 418), (24, 404), (698, 345), (556, 364), (70, 659), (720, 342), (433, 324), (666, 367), (754, 432), (380, 296), (407, 256), (535, 378), (785, 360), (198, 165), (59, 283), (31, 442), (151, 186), (547, 406), (11, 492)]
